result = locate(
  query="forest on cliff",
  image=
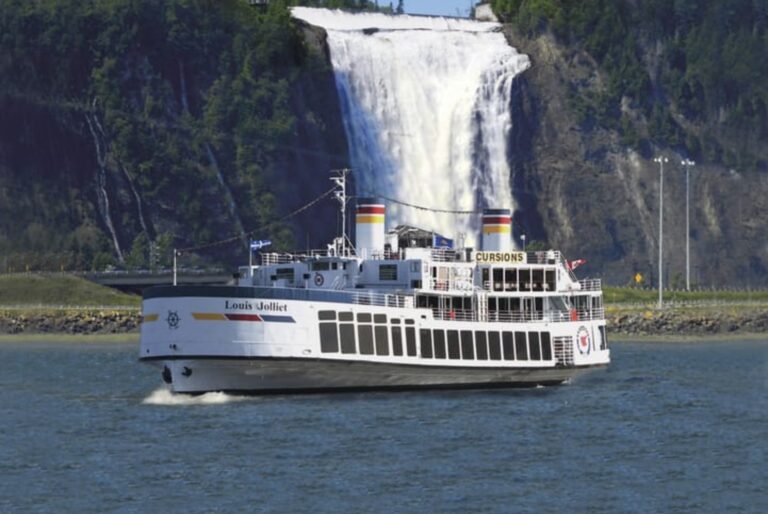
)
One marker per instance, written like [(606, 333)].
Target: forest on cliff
[(131, 127)]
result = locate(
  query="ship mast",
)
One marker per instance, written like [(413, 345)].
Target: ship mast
[(339, 177)]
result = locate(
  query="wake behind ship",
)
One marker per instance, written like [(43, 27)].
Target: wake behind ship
[(403, 309)]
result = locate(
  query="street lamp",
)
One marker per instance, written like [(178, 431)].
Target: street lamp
[(661, 161), (523, 239), (687, 163)]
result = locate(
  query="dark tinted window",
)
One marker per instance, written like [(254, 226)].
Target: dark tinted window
[(481, 346), (329, 341), (365, 339), (603, 339), (439, 341), (346, 316), (395, 321), (364, 317), (546, 346), (533, 345), (426, 343), (382, 343), (347, 335), (410, 340), (494, 346), (467, 347), (509, 346), (525, 280), (521, 345), (397, 341), (453, 344), (388, 272), (326, 315), (409, 322), (379, 318)]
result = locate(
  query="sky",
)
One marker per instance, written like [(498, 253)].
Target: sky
[(443, 7)]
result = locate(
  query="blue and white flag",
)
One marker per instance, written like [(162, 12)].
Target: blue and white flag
[(258, 245)]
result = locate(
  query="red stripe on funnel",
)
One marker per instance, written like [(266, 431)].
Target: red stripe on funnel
[(496, 220), (370, 209)]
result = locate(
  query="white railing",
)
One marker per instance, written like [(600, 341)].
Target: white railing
[(563, 348), (591, 284)]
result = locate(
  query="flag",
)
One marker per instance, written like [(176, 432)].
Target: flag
[(572, 265), (439, 241), (258, 245)]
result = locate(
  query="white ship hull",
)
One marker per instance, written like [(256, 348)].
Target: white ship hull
[(237, 339)]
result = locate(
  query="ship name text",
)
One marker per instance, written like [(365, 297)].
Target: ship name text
[(244, 305), (500, 257)]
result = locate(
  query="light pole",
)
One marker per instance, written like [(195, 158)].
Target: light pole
[(661, 161), (523, 239), (687, 163)]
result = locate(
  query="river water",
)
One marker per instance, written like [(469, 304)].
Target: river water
[(667, 428)]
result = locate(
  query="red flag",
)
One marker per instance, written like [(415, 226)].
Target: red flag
[(572, 265)]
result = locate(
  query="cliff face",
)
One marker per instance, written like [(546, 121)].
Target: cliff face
[(580, 188)]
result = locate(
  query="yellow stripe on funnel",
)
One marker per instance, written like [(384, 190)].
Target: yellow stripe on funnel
[(495, 229), (370, 219)]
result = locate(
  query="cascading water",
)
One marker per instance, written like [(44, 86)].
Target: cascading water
[(426, 108)]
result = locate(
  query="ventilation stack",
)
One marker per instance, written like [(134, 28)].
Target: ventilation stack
[(497, 230), (369, 219)]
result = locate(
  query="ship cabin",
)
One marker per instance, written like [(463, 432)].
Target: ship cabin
[(423, 269)]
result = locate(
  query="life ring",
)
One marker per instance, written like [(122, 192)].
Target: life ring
[(583, 341), (319, 280)]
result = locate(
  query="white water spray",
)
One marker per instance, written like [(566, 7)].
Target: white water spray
[(164, 396), (426, 108)]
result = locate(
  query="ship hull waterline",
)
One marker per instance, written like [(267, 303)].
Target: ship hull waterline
[(258, 375)]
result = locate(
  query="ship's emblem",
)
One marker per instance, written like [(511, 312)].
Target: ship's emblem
[(319, 279), (173, 319), (582, 341)]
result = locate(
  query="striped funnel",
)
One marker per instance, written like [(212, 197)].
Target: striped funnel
[(369, 218), (497, 230)]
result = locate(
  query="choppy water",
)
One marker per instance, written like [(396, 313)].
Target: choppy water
[(667, 428)]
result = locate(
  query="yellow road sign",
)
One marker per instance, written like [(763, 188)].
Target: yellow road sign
[(638, 278)]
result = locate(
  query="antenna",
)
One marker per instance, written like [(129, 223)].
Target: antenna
[(339, 177)]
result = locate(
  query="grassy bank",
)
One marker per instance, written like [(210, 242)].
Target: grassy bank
[(59, 290)]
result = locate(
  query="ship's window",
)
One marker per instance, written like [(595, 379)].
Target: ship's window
[(525, 280), (546, 346), (397, 341), (494, 346), (509, 348), (347, 335), (326, 315), (415, 266), (410, 340), (321, 266), (426, 343), (415, 284), (467, 346), (498, 279), (533, 344), (409, 322), (538, 279), (510, 280), (521, 345), (481, 346), (382, 343), (379, 318), (363, 317), (329, 341), (365, 339), (439, 340), (395, 321), (346, 316), (453, 345), (334, 265), (284, 273), (549, 280), (486, 281), (388, 272), (603, 340)]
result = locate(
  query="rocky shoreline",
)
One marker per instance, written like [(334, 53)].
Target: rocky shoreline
[(730, 321)]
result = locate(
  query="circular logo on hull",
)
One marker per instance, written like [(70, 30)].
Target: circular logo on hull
[(582, 341), (319, 279), (173, 319)]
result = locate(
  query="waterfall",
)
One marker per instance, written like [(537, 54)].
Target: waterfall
[(426, 108)]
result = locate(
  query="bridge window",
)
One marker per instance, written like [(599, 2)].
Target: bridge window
[(510, 279), (284, 273), (320, 266), (498, 279), (426, 343), (525, 280), (388, 272), (538, 279), (549, 280)]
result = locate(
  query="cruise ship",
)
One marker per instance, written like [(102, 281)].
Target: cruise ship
[(398, 309)]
